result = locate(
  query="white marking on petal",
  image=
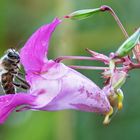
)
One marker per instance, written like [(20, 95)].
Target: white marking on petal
[(51, 89)]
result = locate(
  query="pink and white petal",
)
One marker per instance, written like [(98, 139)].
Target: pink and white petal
[(80, 94), (49, 82), (70, 90), (33, 54), (45, 91), (50, 71), (8, 103)]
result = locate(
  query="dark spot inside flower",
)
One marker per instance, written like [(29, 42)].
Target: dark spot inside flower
[(89, 94), (41, 92), (82, 89), (98, 97)]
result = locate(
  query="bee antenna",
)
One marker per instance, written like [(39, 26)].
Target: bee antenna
[(13, 49), (18, 44)]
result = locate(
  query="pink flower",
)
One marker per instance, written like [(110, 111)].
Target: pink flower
[(54, 86)]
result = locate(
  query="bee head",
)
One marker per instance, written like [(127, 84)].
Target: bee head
[(13, 54)]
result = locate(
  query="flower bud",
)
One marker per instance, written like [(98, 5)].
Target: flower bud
[(128, 45), (118, 79), (82, 14)]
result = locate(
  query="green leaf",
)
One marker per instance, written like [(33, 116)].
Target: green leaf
[(82, 14), (129, 44)]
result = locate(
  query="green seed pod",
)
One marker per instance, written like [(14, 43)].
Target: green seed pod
[(82, 14), (128, 45)]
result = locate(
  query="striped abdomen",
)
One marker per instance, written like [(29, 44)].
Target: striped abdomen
[(10, 64), (7, 83)]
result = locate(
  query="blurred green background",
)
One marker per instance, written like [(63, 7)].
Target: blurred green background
[(20, 18)]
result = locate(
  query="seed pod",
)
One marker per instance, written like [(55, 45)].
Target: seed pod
[(82, 14), (128, 45)]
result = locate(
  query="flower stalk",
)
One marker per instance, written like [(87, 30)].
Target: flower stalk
[(62, 58), (111, 11), (82, 14)]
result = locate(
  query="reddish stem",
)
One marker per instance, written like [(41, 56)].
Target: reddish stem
[(132, 66), (92, 67), (111, 11), (61, 58)]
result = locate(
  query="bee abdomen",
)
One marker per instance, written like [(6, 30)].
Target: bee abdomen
[(10, 90), (7, 83)]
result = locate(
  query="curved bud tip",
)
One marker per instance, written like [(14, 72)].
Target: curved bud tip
[(107, 119), (128, 45), (82, 14)]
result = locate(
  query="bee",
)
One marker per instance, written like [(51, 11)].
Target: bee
[(9, 70)]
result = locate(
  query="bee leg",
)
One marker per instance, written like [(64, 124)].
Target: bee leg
[(23, 81), (108, 114), (19, 85), (13, 71), (22, 74)]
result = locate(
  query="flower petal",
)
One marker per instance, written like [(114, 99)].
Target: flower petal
[(33, 54), (79, 93), (8, 103), (65, 88)]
